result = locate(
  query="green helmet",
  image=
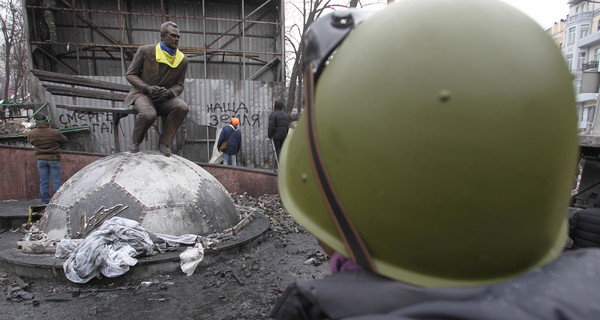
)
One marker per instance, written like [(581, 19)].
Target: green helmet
[(445, 134)]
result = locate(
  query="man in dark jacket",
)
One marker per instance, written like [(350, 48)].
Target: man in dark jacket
[(584, 227), (279, 123), (47, 143), (233, 137), (157, 74)]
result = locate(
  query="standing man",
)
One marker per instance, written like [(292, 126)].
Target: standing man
[(47, 143), (279, 122), (157, 74), (231, 136), (584, 227)]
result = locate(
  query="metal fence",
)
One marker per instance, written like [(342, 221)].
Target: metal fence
[(212, 104)]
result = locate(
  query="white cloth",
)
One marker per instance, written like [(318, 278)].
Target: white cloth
[(177, 240), (190, 258), (110, 250)]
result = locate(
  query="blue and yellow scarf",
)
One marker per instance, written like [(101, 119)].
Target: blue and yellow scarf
[(172, 60)]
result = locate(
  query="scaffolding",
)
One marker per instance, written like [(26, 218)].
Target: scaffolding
[(223, 39)]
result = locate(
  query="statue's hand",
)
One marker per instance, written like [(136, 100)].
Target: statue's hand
[(163, 96), (154, 91), (168, 94)]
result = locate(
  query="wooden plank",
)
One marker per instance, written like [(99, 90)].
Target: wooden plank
[(199, 140), (117, 112), (125, 110), (79, 81), (85, 93)]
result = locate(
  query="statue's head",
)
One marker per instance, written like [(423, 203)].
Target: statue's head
[(169, 34)]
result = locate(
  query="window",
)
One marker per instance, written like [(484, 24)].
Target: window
[(584, 31), (580, 60), (571, 36), (597, 54)]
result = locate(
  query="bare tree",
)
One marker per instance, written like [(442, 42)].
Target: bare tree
[(307, 12), (14, 51), (11, 22), (20, 68)]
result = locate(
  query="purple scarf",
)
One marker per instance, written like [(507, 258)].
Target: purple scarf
[(338, 263)]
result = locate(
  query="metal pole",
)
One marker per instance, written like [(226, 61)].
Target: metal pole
[(282, 38), (242, 41), (204, 35), (275, 153)]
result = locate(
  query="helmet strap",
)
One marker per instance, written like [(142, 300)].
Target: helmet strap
[(352, 241)]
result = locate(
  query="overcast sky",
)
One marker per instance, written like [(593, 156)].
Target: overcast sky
[(545, 12)]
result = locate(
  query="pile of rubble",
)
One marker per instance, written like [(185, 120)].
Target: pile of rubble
[(12, 127), (245, 286)]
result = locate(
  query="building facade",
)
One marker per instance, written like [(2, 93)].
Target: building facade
[(581, 47), (557, 32)]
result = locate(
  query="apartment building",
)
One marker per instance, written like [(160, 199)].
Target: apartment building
[(581, 47), (557, 32)]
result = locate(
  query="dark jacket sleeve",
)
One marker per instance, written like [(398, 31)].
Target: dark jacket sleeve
[(566, 288), (272, 125), (584, 228), (222, 135), (234, 142), (279, 123)]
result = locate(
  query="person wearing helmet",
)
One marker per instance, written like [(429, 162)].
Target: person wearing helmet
[(47, 143), (230, 141), (465, 215)]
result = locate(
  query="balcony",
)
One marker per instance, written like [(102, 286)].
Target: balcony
[(586, 97), (580, 17), (590, 66), (589, 41)]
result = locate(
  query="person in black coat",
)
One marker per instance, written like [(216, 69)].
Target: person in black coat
[(279, 122), (584, 227)]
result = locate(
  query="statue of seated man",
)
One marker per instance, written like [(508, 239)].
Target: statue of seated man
[(157, 74)]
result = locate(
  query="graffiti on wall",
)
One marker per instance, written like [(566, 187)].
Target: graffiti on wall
[(218, 114), (101, 122), (223, 112)]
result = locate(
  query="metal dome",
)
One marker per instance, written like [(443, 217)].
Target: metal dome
[(168, 195)]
